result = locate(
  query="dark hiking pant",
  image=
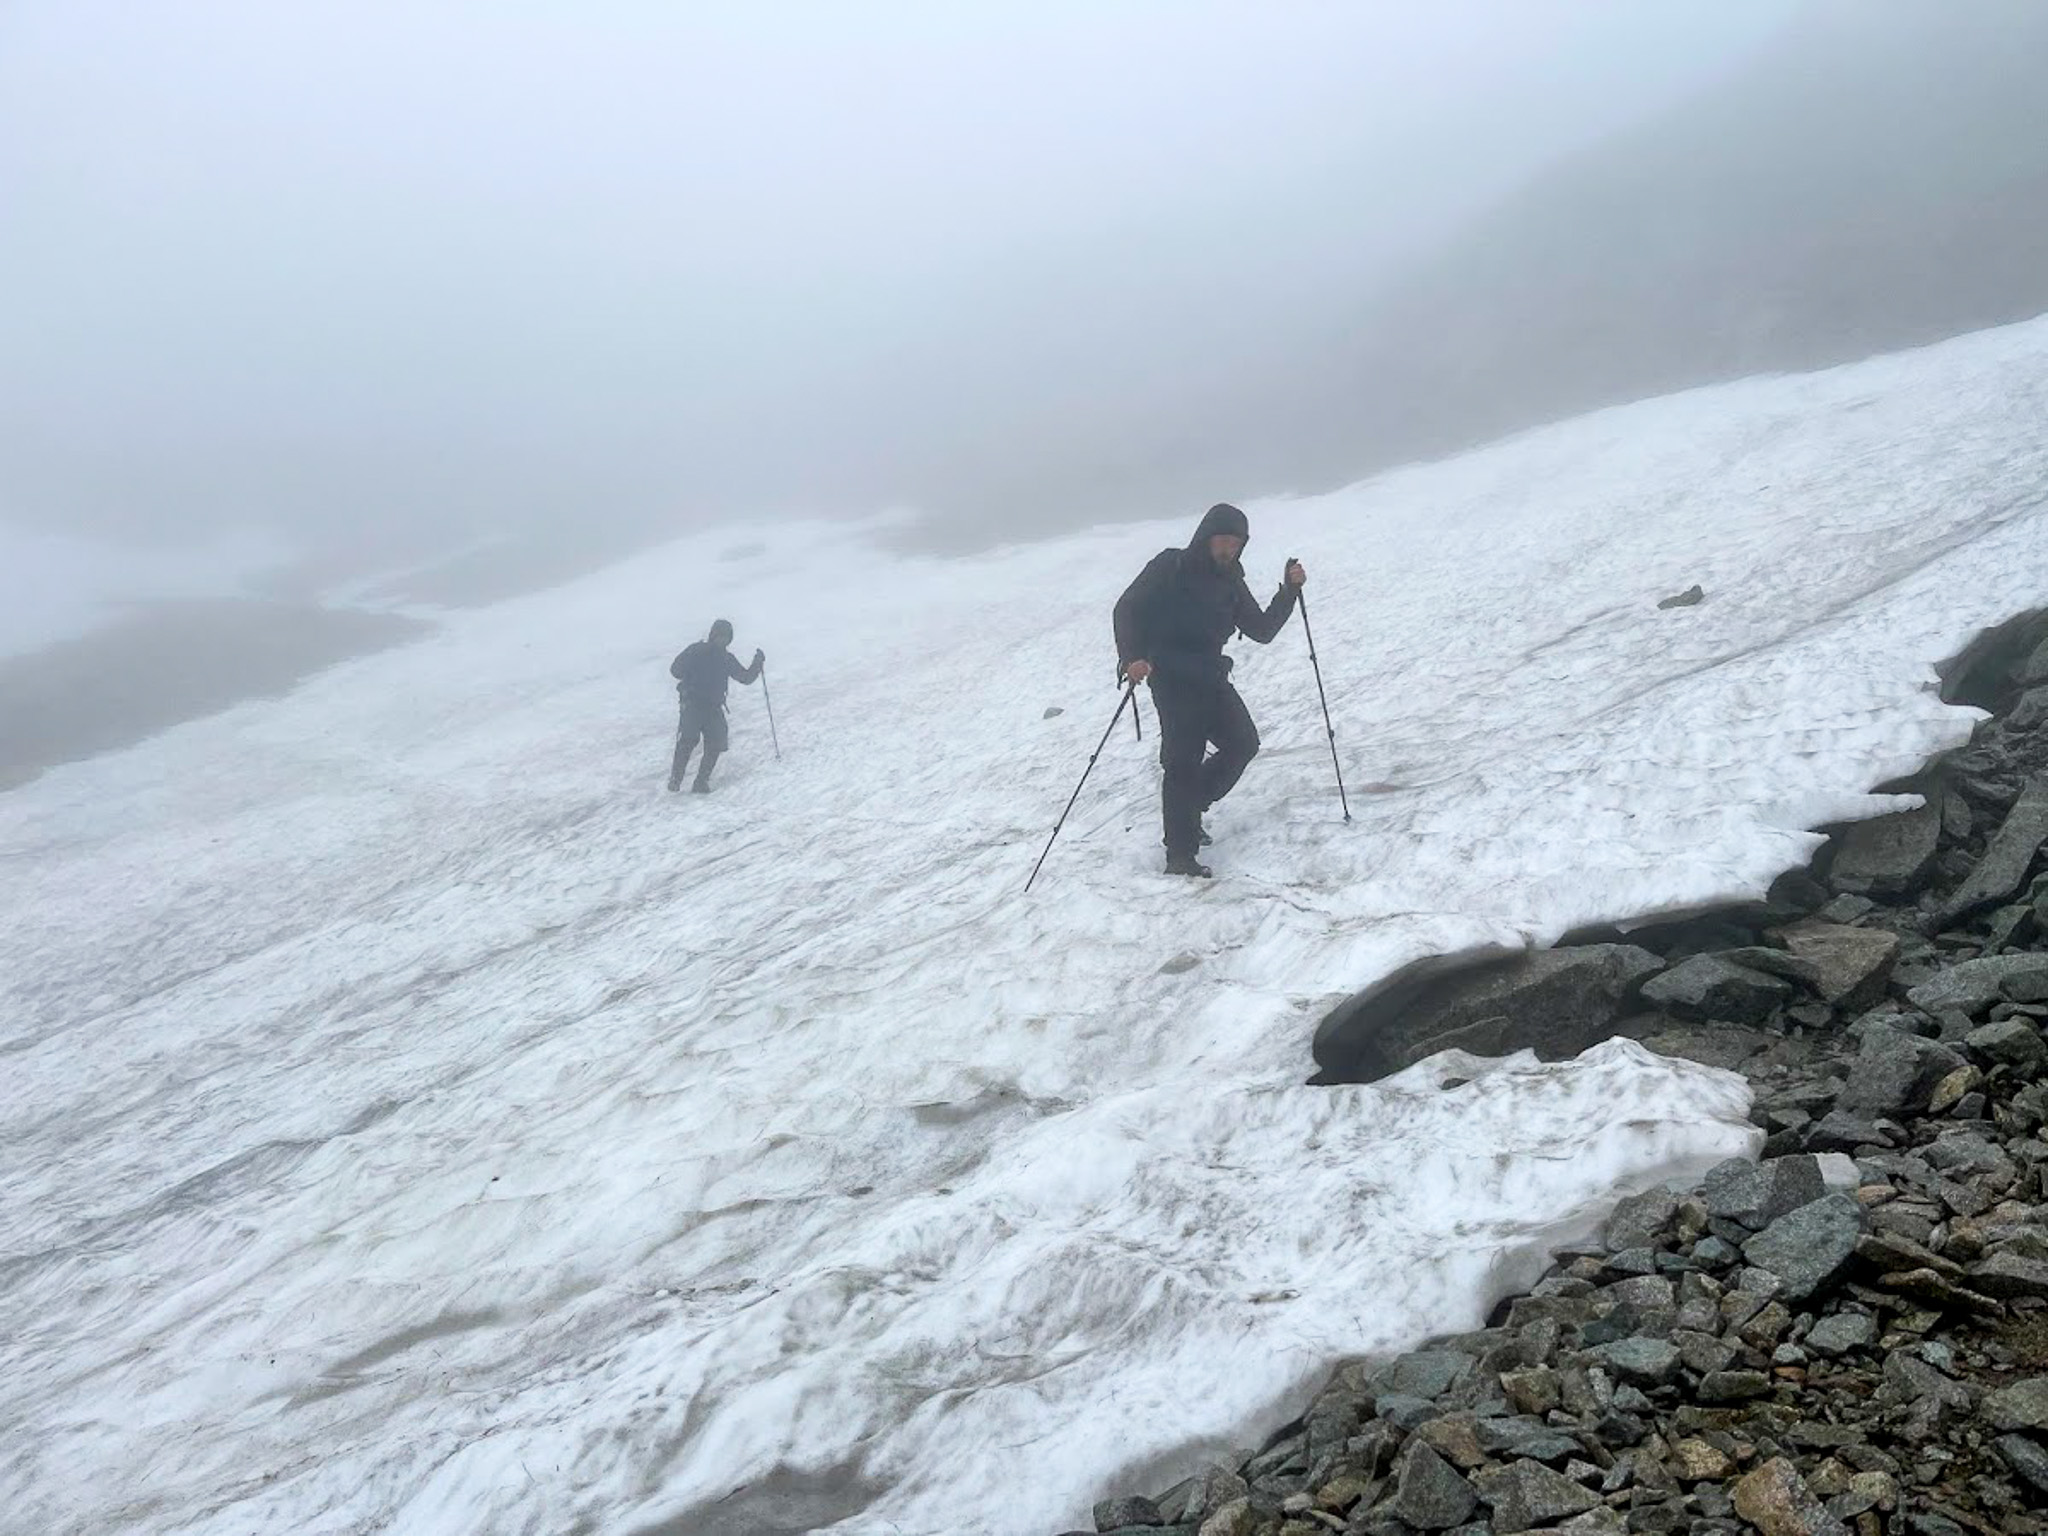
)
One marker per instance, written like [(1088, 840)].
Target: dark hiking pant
[(705, 721), (1191, 718)]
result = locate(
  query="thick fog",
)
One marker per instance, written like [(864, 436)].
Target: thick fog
[(375, 276)]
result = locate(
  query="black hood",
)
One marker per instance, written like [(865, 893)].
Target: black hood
[(721, 632), (1221, 518)]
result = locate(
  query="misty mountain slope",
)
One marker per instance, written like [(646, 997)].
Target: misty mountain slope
[(418, 1121), (1877, 178)]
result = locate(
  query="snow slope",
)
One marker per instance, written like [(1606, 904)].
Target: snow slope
[(417, 1121)]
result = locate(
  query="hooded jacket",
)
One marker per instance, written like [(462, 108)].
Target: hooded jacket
[(1183, 606), (701, 671)]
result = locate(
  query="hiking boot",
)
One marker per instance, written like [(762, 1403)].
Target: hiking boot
[(674, 785), (700, 788), (1184, 864)]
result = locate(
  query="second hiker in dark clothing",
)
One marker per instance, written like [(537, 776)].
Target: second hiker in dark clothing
[(701, 672), (1170, 627)]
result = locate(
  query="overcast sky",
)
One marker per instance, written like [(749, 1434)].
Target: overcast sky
[(340, 267)]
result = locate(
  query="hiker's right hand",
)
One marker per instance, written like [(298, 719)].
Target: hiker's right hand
[(759, 657), (1138, 671)]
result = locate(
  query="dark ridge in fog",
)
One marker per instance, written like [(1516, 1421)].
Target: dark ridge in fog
[(1876, 179), (1866, 187), (165, 664)]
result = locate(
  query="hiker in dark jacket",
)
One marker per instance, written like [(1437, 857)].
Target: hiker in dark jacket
[(1170, 627), (701, 672)]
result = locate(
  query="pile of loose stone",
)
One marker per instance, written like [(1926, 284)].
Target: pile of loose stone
[(1850, 1334)]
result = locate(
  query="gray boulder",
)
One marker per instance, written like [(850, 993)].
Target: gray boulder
[(2027, 1459), (2034, 669), (1971, 986), (1596, 1522), (2023, 1405), (1423, 1373), (1704, 1352), (1722, 1387), (1840, 1131), (2006, 1276), (1889, 855), (2007, 860), (1893, 1073), (1204, 1494), (1846, 909), (1808, 1249), (1525, 1494), (1404, 1409), (2029, 712), (1555, 1002), (1957, 819), (1639, 1220), (1429, 1493), (2016, 1042), (2031, 669), (1989, 773), (1646, 1293), (1757, 1194), (1852, 965), (1237, 1518), (1709, 987), (1893, 1253), (1714, 1253), (1523, 1436), (2010, 927), (1915, 1381), (1840, 1332), (1968, 1155), (1116, 1514), (1774, 962), (1639, 1362)]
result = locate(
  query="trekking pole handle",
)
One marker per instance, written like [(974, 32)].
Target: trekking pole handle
[(1301, 597)]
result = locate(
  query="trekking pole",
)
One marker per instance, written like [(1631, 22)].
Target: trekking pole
[(765, 699), (1130, 696), (1301, 597)]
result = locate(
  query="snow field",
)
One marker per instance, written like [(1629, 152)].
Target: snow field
[(418, 1121)]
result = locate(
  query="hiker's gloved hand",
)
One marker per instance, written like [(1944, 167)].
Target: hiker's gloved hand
[(759, 656), (1138, 671), (1295, 576)]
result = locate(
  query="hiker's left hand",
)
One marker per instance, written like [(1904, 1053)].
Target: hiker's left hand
[(1295, 576)]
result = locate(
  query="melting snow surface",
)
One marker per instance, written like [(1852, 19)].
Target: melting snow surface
[(416, 1120)]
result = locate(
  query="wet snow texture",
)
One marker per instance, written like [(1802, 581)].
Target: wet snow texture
[(418, 1121)]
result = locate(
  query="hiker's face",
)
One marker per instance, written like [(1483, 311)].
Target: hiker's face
[(1224, 548)]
